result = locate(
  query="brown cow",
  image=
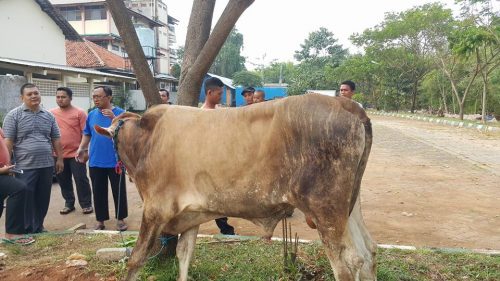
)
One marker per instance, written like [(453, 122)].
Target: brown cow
[(307, 152)]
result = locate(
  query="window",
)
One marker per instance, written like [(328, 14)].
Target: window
[(71, 13), (103, 44), (95, 13), (115, 48)]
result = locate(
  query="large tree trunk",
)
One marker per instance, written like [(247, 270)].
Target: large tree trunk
[(121, 17), (197, 61)]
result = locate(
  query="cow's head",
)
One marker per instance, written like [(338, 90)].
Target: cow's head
[(110, 131)]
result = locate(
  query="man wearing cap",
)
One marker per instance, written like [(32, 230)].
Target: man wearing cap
[(248, 95)]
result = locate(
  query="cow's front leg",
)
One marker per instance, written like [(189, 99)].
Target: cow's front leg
[(185, 248), (147, 236)]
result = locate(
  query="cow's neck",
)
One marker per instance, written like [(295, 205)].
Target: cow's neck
[(132, 142)]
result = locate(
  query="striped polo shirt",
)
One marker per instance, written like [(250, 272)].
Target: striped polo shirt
[(32, 134)]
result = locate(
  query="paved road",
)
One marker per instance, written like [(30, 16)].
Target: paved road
[(478, 148)]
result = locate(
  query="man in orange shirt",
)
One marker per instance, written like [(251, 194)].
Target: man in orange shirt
[(71, 122)]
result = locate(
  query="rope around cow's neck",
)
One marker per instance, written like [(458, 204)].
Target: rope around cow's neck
[(119, 169)]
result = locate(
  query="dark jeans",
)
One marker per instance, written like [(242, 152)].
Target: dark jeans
[(79, 172), (224, 227), (99, 178), (38, 187), (15, 190)]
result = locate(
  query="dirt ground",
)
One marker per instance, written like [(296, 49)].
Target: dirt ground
[(425, 185)]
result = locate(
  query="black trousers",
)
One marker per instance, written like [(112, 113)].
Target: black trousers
[(38, 187), (15, 190), (99, 178), (78, 171), (224, 227)]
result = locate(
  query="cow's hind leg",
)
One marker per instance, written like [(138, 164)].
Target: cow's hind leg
[(147, 236), (364, 245), (185, 249), (339, 250)]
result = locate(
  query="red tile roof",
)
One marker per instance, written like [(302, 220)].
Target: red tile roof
[(87, 54)]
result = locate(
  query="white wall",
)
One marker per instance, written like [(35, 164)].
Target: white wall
[(28, 33), (84, 103)]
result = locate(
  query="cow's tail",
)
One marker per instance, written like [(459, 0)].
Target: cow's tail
[(364, 160)]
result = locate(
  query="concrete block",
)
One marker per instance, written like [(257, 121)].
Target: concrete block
[(113, 254), (78, 226)]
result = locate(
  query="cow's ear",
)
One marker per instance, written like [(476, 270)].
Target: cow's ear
[(149, 120), (103, 131)]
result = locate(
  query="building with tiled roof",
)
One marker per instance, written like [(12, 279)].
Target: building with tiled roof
[(86, 54), (92, 19)]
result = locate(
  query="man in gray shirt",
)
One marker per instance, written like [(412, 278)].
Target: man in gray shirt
[(31, 134)]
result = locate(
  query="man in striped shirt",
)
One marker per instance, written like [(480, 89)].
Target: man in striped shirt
[(31, 133)]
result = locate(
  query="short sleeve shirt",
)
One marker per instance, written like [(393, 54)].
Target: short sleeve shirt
[(101, 150), (71, 123), (32, 134)]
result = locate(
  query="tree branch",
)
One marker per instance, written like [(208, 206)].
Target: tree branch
[(121, 17), (188, 92)]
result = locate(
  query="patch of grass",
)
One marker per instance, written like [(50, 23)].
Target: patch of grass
[(256, 260)]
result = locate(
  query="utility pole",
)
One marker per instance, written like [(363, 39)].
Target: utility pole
[(281, 73)]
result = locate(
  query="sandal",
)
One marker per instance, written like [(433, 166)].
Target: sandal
[(22, 241), (99, 226), (87, 210), (121, 226), (66, 210)]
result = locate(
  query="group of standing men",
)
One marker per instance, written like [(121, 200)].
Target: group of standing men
[(37, 142)]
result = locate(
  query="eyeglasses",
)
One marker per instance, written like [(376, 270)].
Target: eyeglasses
[(95, 97)]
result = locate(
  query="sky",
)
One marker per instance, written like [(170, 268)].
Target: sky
[(274, 29)]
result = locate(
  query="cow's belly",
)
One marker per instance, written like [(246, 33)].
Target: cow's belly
[(196, 215)]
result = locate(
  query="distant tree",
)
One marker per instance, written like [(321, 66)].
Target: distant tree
[(318, 53), (175, 70), (407, 31), (247, 79), (480, 38), (321, 44), (278, 71), (229, 60)]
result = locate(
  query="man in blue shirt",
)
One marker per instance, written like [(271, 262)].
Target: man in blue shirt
[(100, 152)]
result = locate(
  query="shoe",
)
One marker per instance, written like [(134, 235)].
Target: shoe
[(22, 241), (88, 210), (99, 226), (66, 210), (121, 226)]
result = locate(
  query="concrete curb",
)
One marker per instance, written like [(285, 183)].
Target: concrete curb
[(441, 121), (248, 238)]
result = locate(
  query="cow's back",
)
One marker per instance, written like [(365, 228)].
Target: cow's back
[(274, 150)]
